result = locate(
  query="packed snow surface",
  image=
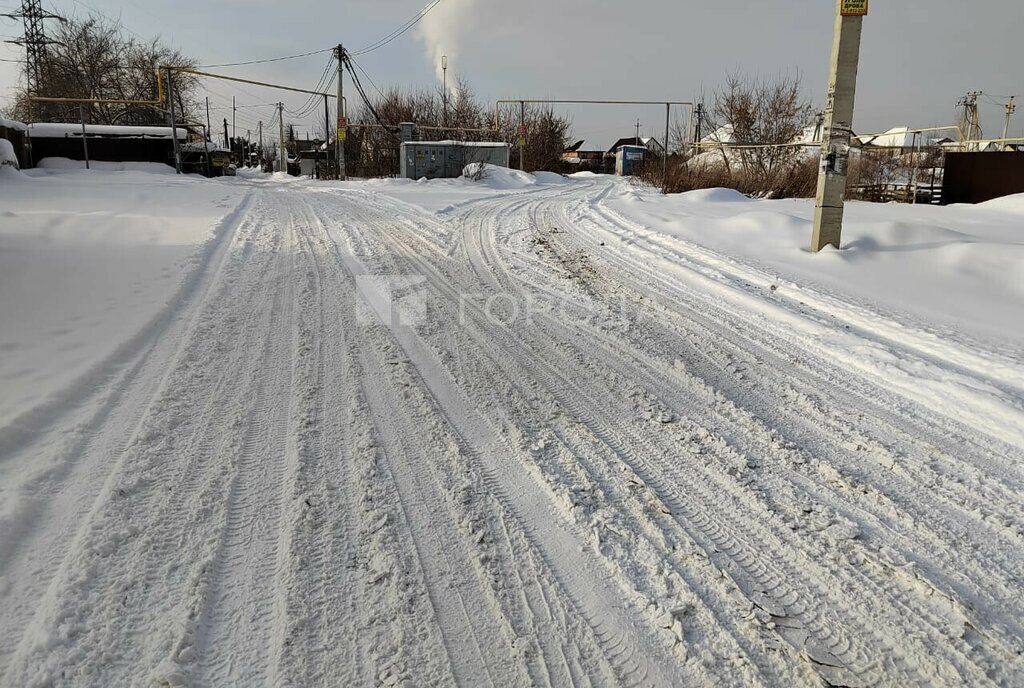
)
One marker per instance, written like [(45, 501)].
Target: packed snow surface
[(519, 431)]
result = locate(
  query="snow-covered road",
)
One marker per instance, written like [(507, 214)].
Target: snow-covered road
[(518, 440)]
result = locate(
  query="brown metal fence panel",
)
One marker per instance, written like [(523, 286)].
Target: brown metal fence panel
[(979, 177)]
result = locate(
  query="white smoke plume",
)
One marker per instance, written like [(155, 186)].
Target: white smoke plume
[(441, 32)]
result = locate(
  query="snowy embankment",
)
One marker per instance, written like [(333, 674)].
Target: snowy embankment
[(954, 270), (87, 261)]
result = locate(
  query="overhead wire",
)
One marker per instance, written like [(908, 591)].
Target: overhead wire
[(346, 60), (267, 60), (413, 21)]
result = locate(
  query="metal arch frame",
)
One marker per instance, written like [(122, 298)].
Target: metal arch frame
[(668, 113)]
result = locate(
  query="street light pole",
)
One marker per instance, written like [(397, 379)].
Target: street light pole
[(838, 124)]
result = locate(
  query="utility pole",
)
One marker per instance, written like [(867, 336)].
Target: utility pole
[(209, 136), (838, 124), (1010, 109), (174, 130), (283, 152), (234, 111), (444, 82), (636, 141), (664, 153), (327, 137), (339, 53), (700, 119), (522, 136), (208, 127), (85, 139), (973, 127), (227, 141), (261, 143)]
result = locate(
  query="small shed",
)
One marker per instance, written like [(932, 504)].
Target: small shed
[(446, 159), (105, 142), (629, 160)]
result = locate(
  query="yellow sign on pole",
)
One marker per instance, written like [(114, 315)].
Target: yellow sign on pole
[(853, 8)]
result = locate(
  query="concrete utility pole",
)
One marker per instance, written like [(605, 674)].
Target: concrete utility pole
[(1010, 109), (664, 153), (260, 156), (283, 151), (522, 136), (209, 135), (327, 137), (339, 53), (234, 111), (838, 124)]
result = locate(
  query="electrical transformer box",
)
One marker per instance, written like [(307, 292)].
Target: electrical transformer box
[(629, 160), (446, 159)]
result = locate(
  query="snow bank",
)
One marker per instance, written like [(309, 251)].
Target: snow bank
[(7, 155), (86, 261), (716, 195), (952, 270), (1013, 204), (504, 178), (103, 166)]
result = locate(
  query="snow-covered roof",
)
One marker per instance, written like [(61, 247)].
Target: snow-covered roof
[(585, 146), (56, 130), (11, 124), (897, 137), (722, 135), (464, 144)]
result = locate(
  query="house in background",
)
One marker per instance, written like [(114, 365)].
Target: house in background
[(584, 155), (653, 145)]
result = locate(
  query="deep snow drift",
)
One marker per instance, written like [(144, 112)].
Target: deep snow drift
[(518, 431)]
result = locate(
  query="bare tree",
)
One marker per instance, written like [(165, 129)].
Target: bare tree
[(94, 58), (766, 116)]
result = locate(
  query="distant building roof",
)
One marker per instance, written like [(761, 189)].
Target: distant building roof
[(584, 146), (11, 124)]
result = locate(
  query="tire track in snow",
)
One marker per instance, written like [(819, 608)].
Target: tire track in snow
[(523, 497)]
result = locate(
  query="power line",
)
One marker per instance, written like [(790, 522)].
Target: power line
[(270, 59), (360, 68), (400, 30)]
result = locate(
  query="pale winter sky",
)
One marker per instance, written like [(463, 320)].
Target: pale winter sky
[(918, 56)]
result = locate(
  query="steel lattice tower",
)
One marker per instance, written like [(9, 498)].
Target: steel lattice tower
[(34, 41)]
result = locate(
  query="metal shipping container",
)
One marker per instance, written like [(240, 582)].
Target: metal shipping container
[(446, 159)]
